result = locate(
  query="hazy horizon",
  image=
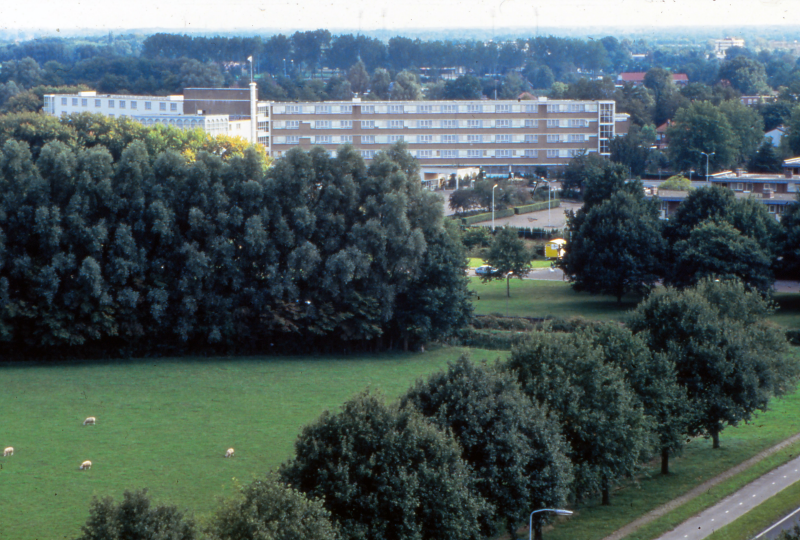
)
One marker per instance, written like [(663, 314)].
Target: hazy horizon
[(243, 16)]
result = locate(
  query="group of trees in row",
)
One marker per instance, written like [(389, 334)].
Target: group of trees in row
[(119, 239), (618, 243), (471, 451)]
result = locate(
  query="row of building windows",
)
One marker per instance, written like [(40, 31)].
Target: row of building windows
[(84, 102), (443, 139), (439, 124), (475, 154), (471, 108)]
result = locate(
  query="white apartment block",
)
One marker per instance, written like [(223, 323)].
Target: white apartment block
[(113, 105), (500, 136)]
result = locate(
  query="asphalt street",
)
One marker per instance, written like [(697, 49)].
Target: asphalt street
[(737, 504)]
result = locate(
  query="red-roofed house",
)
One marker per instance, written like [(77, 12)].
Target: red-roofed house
[(637, 78)]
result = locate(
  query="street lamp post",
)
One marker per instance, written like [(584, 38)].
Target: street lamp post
[(508, 290), (493, 188), (707, 156), (549, 191), (554, 510)]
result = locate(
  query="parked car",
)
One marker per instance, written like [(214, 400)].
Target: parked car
[(485, 270)]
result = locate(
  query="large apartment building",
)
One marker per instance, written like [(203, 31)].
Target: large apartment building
[(499, 136), (490, 134)]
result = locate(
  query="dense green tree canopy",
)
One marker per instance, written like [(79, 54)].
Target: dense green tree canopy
[(269, 510), (653, 378), (194, 251), (384, 474), (515, 450), (135, 518), (789, 240), (603, 420), (615, 247), (702, 127), (718, 250), (727, 356)]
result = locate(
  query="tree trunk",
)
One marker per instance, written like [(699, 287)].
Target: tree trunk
[(537, 530), (405, 343), (665, 460), (606, 492), (508, 289), (715, 437)]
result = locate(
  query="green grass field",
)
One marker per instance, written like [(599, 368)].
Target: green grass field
[(540, 298), (165, 424), (474, 263)]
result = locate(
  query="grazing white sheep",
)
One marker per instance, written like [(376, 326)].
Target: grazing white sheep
[(90, 421), (8, 451), (86, 465), (229, 453)]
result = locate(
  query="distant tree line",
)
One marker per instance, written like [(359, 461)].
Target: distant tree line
[(124, 242), (619, 244)]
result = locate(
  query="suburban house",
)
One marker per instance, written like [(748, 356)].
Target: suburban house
[(636, 78), (775, 135)]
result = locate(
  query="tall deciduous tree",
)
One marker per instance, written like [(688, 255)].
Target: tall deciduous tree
[(508, 255), (701, 127), (603, 421), (718, 250), (135, 518), (269, 510), (615, 247), (406, 87), (653, 378), (384, 473), (729, 358), (514, 448), (789, 240)]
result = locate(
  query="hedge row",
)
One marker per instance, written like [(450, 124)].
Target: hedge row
[(536, 207), (487, 216)]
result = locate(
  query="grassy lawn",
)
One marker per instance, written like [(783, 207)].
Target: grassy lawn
[(165, 424), (474, 263), (539, 298)]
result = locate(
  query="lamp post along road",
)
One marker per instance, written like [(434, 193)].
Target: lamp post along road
[(495, 187), (558, 511), (707, 156)]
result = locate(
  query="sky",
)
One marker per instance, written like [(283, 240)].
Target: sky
[(202, 15)]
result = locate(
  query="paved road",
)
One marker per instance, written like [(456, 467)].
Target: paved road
[(786, 524), (736, 505)]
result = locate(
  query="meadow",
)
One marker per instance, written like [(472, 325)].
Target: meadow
[(543, 298), (165, 424)]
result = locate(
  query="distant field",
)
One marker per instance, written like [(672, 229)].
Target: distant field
[(474, 263), (540, 298), (165, 424)]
